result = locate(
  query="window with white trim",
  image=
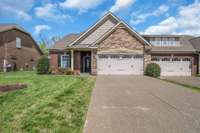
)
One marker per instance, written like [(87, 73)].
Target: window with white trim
[(65, 61), (165, 41), (18, 42)]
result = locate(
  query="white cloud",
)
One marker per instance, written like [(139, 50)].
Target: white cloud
[(186, 22), (81, 5), (16, 9), (40, 28), (161, 10), (138, 17), (121, 5), (50, 12), (167, 26)]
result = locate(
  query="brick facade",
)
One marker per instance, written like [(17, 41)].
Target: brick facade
[(77, 60), (25, 57), (94, 62), (54, 60), (121, 38)]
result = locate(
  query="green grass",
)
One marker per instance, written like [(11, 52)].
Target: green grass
[(49, 104), (184, 85)]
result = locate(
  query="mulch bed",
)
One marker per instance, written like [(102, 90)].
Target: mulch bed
[(5, 88)]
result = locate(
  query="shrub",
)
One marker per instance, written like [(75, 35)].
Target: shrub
[(43, 65), (153, 70), (65, 71)]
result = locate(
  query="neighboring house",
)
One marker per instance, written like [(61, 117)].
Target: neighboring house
[(17, 48), (112, 47)]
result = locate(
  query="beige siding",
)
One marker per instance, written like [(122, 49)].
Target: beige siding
[(99, 32)]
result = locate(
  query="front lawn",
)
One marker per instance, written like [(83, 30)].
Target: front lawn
[(49, 104)]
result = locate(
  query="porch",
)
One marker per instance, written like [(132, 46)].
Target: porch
[(76, 60)]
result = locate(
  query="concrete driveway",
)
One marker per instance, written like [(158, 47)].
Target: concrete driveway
[(138, 104), (191, 81)]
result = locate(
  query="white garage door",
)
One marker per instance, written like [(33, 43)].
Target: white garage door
[(120, 64), (177, 66)]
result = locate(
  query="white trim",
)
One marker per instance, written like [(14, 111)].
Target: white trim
[(61, 60), (18, 42), (72, 60), (98, 22)]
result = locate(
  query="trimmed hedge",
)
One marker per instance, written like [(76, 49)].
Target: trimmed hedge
[(153, 70), (43, 65)]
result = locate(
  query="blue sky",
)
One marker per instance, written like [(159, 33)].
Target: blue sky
[(60, 17)]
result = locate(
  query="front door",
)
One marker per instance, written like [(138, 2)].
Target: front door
[(86, 64)]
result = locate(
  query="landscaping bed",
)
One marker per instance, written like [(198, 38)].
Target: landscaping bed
[(12, 87)]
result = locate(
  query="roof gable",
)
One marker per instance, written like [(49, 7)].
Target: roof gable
[(102, 26), (129, 29), (102, 29)]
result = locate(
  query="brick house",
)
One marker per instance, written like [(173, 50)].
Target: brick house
[(17, 48), (111, 46)]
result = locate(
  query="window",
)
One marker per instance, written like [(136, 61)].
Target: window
[(186, 59), (126, 56), (103, 56), (152, 40), (165, 59), (138, 56), (155, 59), (114, 56), (172, 41), (65, 61), (158, 41), (165, 41), (176, 59), (18, 42)]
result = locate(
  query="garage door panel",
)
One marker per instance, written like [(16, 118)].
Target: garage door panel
[(175, 68), (120, 66)]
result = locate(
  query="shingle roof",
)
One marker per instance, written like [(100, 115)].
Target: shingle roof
[(65, 41), (6, 27), (196, 43), (185, 45)]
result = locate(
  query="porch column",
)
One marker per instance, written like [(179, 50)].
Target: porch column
[(72, 59)]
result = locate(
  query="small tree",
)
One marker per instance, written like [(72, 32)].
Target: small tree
[(153, 70), (43, 47), (43, 65)]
